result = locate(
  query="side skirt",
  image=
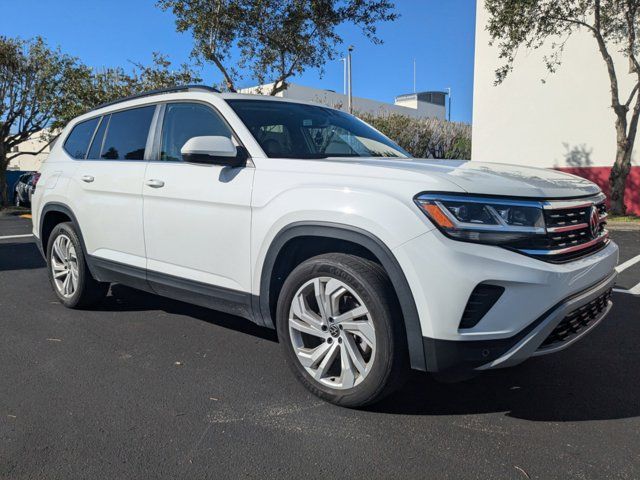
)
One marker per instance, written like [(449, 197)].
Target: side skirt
[(222, 299)]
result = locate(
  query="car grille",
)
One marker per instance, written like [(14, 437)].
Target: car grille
[(577, 321), (571, 232)]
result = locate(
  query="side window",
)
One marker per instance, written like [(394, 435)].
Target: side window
[(127, 132), (183, 121), (98, 138), (77, 143)]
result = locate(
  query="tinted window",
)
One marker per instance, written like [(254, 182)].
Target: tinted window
[(183, 121), (78, 140), (127, 133), (96, 145), (294, 130)]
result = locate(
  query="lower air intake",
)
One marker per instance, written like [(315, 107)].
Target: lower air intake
[(482, 298)]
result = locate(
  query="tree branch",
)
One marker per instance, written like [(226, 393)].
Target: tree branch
[(227, 77), (632, 94), (38, 152)]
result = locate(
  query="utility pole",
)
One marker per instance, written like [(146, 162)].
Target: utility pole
[(414, 75), (349, 85)]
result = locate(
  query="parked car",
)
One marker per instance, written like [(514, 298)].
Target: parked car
[(23, 189), (305, 219)]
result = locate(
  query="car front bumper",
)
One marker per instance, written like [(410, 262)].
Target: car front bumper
[(538, 297)]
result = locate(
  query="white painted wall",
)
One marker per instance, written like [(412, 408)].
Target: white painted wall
[(528, 122), (30, 162), (364, 105)]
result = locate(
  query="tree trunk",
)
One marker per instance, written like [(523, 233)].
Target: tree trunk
[(4, 198), (618, 177)]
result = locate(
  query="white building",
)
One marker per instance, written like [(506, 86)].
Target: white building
[(565, 122), (28, 162), (416, 105)]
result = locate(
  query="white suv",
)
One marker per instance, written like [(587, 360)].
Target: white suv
[(305, 219)]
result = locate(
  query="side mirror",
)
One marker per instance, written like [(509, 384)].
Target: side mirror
[(213, 150)]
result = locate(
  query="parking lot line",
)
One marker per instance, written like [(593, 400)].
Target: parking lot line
[(9, 237), (635, 290), (629, 263)]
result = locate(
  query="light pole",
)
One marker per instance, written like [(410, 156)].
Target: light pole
[(349, 85), (344, 75), (449, 95)]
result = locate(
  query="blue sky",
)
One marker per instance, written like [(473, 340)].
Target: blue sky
[(439, 34)]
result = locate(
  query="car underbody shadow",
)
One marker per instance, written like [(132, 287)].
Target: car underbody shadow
[(125, 299), (594, 379)]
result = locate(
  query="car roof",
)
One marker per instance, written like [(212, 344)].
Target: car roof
[(186, 92)]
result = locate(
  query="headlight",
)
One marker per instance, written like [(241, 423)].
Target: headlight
[(483, 219)]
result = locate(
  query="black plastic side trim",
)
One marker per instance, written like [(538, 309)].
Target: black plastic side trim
[(105, 270), (218, 298), (377, 248), (61, 208), (203, 294)]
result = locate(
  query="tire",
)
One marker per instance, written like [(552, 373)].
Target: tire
[(372, 343), (76, 289)]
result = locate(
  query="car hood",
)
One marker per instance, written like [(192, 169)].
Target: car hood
[(493, 178)]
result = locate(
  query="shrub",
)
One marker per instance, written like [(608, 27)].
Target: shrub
[(425, 138)]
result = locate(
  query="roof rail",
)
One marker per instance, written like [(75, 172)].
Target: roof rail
[(159, 91)]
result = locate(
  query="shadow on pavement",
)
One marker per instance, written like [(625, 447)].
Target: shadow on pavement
[(125, 299), (20, 256), (594, 379)]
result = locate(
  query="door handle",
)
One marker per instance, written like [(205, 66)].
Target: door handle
[(153, 183), (87, 178)]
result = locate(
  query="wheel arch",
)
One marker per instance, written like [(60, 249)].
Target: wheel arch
[(51, 215), (366, 241)]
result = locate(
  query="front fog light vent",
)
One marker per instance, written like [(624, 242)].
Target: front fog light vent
[(482, 298)]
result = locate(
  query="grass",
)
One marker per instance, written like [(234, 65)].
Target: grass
[(624, 218)]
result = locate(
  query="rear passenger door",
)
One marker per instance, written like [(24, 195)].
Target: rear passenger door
[(107, 186), (197, 217)]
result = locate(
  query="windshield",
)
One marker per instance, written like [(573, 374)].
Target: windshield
[(294, 130)]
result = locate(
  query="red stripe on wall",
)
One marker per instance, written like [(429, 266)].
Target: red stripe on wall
[(600, 176)]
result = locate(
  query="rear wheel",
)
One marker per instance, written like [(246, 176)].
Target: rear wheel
[(68, 272), (341, 330)]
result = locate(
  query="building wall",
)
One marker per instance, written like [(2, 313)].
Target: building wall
[(565, 122), (364, 105), (30, 162)]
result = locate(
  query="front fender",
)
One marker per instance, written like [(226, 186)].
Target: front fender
[(376, 222)]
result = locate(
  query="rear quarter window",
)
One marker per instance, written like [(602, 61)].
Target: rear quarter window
[(77, 143)]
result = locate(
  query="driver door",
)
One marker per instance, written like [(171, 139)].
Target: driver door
[(197, 217)]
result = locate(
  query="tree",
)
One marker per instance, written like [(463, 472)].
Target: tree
[(614, 26), (274, 39), (32, 79), (424, 137), (42, 88)]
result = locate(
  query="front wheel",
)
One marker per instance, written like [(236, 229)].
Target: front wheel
[(68, 271), (340, 326)]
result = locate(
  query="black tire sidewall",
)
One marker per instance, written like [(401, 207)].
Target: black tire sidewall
[(75, 299), (371, 387)]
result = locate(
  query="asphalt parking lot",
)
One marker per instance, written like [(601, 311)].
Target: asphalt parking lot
[(145, 387)]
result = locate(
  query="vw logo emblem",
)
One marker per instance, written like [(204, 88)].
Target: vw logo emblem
[(594, 222), (334, 330)]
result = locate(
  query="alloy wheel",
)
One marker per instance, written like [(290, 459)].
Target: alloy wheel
[(64, 266), (332, 333)]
